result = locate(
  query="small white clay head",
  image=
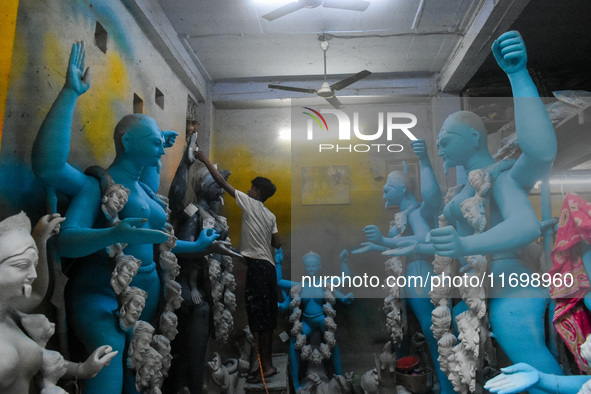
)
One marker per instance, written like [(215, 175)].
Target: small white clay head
[(18, 257), (54, 366), (38, 327)]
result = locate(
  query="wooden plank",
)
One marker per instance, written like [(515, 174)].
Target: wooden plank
[(492, 19)]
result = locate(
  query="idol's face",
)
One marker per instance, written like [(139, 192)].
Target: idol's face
[(135, 307), (393, 193), (475, 216), (18, 260), (312, 266), (145, 143), (117, 198), (454, 144)]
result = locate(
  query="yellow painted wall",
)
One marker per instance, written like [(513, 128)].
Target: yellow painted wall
[(44, 34), (247, 143), (7, 30)]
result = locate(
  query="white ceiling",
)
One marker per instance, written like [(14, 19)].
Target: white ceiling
[(233, 41), (410, 46), (226, 52)]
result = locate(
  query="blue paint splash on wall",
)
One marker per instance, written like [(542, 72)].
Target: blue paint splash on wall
[(20, 190), (110, 19)]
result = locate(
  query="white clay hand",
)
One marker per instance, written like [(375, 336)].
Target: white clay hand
[(47, 226), (192, 148), (99, 359), (223, 247), (243, 366)]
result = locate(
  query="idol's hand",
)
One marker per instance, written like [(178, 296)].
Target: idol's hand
[(99, 359), (344, 255), (348, 299), (207, 236), (129, 231), (223, 248), (514, 379), (284, 305), (47, 226), (550, 223), (195, 297), (169, 137), (243, 367), (420, 149), (192, 147), (405, 248), (278, 255), (373, 234), (509, 52), (77, 79), (368, 247), (447, 242)]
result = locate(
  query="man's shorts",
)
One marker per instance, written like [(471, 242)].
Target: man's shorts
[(261, 295)]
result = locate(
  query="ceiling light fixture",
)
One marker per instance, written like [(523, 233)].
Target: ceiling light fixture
[(352, 5)]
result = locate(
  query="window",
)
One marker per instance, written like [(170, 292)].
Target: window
[(159, 98), (138, 104), (100, 37)]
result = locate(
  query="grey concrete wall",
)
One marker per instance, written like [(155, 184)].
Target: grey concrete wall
[(45, 32)]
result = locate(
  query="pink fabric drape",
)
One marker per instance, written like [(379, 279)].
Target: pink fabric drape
[(571, 318)]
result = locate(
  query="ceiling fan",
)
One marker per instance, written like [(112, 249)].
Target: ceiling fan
[(327, 91), (353, 5)]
